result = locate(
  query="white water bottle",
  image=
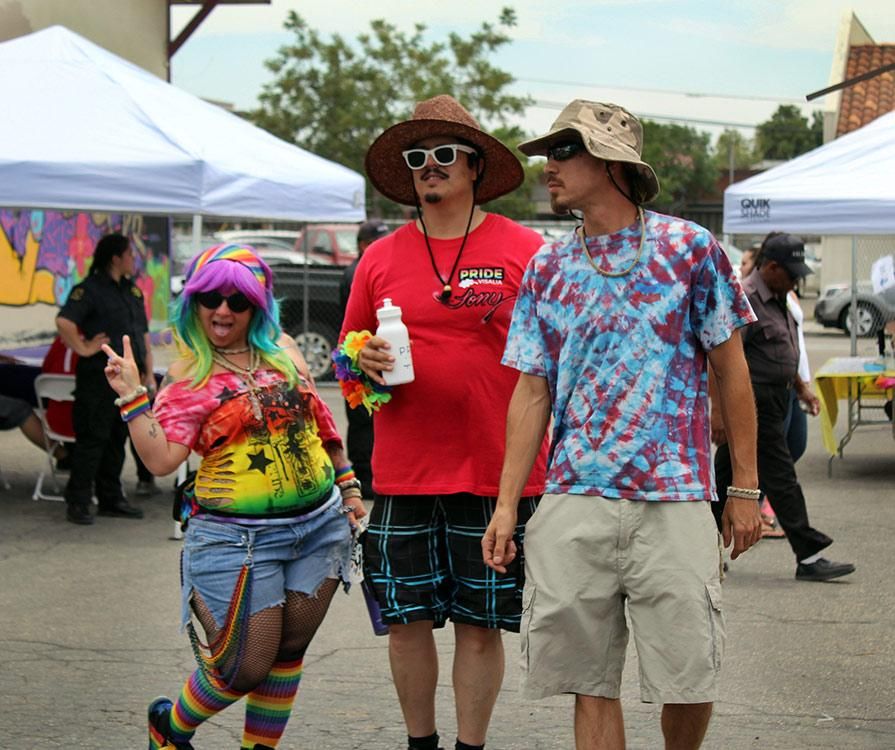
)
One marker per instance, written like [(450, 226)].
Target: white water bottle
[(395, 332)]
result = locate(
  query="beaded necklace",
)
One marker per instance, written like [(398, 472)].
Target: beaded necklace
[(247, 375)]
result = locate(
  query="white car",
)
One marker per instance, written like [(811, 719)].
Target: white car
[(276, 246)]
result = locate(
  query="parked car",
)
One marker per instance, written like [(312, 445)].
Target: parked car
[(310, 311), (317, 245), (277, 247), (181, 254), (330, 244), (833, 308)]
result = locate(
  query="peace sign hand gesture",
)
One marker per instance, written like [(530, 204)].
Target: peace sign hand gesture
[(121, 371)]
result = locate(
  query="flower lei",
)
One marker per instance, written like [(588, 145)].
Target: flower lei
[(357, 388)]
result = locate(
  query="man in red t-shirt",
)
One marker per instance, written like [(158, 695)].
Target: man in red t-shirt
[(454, 272)]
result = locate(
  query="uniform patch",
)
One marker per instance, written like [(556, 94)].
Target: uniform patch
[(77, 293)]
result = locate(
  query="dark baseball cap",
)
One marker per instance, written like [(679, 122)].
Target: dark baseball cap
[(788, 251), (372, 230)]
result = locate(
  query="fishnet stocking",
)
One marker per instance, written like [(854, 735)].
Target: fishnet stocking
[(269, 705), (302, 615), (277, 640)]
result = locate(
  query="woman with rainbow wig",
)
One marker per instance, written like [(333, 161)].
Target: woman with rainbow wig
[(269, 532)]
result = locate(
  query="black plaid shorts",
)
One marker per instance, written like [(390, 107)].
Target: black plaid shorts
[(423, 556)]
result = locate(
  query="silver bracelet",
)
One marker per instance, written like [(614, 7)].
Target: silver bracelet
[(140, 390), (744, 493)]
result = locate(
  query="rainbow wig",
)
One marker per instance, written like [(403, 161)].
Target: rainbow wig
[(224, 267)]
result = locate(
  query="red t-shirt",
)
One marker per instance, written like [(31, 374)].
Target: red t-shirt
[(444, 432)]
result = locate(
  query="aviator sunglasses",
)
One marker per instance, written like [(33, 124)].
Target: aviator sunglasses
[(565, 150), (237, 302), (443, 156)]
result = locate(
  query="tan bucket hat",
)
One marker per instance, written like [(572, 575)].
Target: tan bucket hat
[(439, 116), (608, 132)]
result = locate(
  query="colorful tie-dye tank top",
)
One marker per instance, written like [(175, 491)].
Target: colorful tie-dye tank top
[(273, 466)]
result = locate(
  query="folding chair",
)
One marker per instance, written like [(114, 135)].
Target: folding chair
[(49, 387)]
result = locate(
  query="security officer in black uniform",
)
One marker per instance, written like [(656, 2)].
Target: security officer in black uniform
[(771, 346), (104, 306), (360, 423)]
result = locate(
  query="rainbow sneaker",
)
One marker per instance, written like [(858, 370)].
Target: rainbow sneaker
[(159, 726)]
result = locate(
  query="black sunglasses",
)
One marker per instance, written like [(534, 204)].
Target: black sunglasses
[(237, 302), (565, 150)]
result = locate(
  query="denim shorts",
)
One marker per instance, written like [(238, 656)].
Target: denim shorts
[(298, 555)]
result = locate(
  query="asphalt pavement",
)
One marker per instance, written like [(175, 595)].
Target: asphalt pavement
[(89, 631)]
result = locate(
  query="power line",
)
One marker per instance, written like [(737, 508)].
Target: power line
[(664, 118), (691, 94)]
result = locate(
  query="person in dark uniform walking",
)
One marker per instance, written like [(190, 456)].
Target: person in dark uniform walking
[(771, 346), (360, 422), (104, 306)]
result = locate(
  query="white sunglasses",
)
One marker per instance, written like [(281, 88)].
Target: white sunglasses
[(443, 156)]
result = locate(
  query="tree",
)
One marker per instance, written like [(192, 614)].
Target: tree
[(788, 134), (518, 204), (742, 147), (333, 98), (680, 156)]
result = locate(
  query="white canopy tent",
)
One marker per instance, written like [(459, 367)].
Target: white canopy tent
[(83, 129), (845, 187)]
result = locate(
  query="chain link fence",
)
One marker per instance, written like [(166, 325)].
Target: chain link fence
[(310, 305)]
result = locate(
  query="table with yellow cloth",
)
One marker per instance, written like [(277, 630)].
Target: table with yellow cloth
[(865, 383)]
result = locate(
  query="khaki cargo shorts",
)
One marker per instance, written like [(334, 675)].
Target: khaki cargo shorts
[(586, 559)]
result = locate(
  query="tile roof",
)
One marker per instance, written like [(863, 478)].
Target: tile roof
[(867, 100)]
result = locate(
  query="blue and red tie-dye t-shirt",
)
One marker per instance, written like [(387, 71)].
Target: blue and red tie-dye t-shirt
[(625, 357)]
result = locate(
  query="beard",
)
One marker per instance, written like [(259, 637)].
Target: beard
[(433, 197), (558, 205)]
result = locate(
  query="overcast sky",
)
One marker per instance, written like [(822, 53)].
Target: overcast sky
[(660, 58)]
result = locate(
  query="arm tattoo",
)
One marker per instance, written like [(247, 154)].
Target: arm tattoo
[(153, 429)]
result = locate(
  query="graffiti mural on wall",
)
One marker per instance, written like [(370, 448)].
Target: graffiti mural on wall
[(43, 254)]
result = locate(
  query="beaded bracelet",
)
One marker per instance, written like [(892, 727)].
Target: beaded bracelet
[(351, 494), (135, 408), (140, 390), (348, 484), (743, 493)]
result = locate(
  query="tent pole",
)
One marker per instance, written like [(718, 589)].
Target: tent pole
[(197, 234), (853, 310)]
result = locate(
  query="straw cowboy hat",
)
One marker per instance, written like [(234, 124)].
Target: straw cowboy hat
[(439, 116)]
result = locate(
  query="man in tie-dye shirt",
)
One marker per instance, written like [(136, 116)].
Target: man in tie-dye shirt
[(613, 331)]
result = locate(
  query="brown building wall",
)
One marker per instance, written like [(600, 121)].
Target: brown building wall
[(136, 30)]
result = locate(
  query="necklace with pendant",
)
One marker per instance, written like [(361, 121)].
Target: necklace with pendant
[(446, 289), (246, 374), (636, 257)]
